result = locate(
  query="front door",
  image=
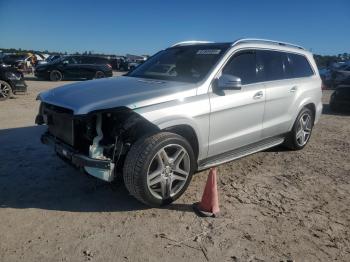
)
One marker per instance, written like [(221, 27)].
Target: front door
[(236, 115), (70, 68)]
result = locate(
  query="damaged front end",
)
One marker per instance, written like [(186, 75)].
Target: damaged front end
[(96, 142)]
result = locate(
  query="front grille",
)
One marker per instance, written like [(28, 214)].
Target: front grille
[(60, 123)]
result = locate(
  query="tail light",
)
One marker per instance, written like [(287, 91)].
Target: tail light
[(109, 66)]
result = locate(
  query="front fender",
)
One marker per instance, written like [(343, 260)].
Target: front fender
[(193, 112), (164, 123)]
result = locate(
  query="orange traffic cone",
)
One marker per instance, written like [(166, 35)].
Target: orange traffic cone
[(209, 205)]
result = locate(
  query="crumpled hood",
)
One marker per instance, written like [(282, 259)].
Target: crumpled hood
[(131, 92)]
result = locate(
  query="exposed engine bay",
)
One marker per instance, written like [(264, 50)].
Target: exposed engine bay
[(103, 137)]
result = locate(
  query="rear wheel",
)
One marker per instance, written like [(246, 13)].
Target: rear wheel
[(332, 104), (56, 75), (301, 131), (158, 168), (5, 90), (99, 74)]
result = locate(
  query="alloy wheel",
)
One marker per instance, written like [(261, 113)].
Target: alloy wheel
[(168, 171), (5, 90), (99, 74), (304, 129)]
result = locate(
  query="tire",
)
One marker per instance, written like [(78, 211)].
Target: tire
[(300, 134), (99, 74), (5, 90), (333, 107), (56, 75), (148, 178)]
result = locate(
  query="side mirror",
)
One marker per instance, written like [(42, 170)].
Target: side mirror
[(229, 82)]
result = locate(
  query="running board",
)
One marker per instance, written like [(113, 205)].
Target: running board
[(240, 152)]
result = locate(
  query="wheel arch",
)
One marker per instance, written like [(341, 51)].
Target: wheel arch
[(188, 133), (307, 103), (186, 128)]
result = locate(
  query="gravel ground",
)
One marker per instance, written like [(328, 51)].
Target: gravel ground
[(275, 205)]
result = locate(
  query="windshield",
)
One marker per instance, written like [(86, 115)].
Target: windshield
[(184, 63)]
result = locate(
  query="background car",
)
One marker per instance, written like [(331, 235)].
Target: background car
[(341, 75), (49, 59), (24, 62), (13, 59), (11, 82), (75, 67), (340, 99), (119, 63)]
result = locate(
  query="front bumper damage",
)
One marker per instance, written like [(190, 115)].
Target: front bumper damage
[(100, 168), (97, 142)]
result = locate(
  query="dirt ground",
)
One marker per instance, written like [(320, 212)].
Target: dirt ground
[(276, 205)]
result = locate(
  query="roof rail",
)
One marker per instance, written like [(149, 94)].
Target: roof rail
[(257, 40), (192, 42)]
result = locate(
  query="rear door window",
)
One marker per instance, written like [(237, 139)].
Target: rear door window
[(270, 65), (86, 60), (242, 65)]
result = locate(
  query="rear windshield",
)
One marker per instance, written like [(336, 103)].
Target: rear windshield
[(184, 63)]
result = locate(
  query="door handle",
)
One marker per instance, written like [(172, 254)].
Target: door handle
[(293, 89), (258, 95)]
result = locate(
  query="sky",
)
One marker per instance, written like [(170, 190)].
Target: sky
[(147, 26)]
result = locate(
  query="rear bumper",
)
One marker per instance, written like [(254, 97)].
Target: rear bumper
[(342, 104), (109, 73), (102, 169), (19, 85), (318, 112)]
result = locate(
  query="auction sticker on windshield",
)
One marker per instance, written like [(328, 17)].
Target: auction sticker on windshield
[(208, 52)]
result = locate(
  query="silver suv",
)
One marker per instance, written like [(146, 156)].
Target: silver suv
[(190, 107)]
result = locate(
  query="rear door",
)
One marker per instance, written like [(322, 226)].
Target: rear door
[(282, 73), (87, 69)]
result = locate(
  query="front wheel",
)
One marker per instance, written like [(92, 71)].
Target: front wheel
[(158, 168), (301, 131)]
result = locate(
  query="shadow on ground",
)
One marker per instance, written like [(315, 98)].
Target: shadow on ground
[(32, 176)]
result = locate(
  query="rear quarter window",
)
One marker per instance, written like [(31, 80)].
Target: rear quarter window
[(297, 66)]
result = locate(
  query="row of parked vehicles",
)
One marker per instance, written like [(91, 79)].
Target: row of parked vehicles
[(336, 74), (57, 68), (337, 77), (82, 67), (29, 60)]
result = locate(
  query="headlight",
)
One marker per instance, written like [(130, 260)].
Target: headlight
[(13, 76)]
